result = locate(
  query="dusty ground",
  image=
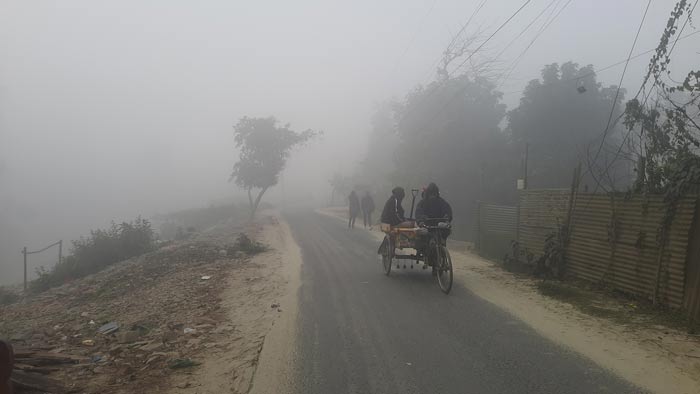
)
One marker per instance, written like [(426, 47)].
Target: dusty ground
[(658, 357), (177, 331), (255, 302)]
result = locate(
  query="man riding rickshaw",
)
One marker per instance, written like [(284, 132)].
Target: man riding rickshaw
[(427, 233)]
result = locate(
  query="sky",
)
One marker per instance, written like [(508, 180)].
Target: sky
[(113, 109)]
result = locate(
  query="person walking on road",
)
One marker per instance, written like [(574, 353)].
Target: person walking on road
[(367, 205), (354, 206)]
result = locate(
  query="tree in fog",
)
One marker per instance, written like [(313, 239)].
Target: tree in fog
[(378, 165), (264, 147), (562, 117), (340, 186), (449, 134)]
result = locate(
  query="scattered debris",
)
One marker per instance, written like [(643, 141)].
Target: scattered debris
[(182, 363), (108, 328), (273, 306), (120, 329), (128, 336)]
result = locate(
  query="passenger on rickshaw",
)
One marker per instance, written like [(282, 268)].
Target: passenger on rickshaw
[(393, 213)]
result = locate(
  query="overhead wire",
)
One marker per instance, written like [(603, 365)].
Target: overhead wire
[(456, 36), (442, 108), (651, 90), (545, 26), (526, 28), (491, 36), (617, 94), (682, 28), (606, 67), (415, 35)]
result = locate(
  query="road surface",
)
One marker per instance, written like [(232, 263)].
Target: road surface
[(363, 332)]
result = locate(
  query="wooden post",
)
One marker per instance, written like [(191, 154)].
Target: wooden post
[(478, 227), (60, 251), (24, 253)]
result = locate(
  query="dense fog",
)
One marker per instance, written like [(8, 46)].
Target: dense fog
[(110, 110)]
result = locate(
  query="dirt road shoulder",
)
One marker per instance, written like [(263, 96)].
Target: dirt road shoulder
[(260, 305)]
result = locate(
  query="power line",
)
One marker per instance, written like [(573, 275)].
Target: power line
[(648, 94), (617, 92), (491, 36), (527, 27), (415, 34), (682, 28), (456, 36), (459, 91), (522, 54), (606, 67)]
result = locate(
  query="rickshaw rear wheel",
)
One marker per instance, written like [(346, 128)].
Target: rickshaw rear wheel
[(444, 269), (387, 254)]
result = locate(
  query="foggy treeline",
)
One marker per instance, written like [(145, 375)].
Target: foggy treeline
[(457, 132)]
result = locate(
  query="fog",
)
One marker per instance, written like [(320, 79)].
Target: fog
[(109, 110)]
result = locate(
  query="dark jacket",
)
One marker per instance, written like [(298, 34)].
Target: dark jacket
[(393, 212), (433, 208), (354, 203), (367, 204)]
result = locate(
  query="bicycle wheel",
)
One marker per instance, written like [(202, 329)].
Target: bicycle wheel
[(444, 269), (387, 254)]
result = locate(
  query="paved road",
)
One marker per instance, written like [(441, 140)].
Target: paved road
[(363, 332)]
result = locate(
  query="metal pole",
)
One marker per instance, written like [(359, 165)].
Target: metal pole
[(24, 252), (527, 149)]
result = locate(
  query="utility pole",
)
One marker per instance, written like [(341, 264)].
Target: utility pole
[(24, 253), (527, 149)]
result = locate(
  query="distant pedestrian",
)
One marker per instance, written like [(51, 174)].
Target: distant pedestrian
[(367, 205), (354, 206)]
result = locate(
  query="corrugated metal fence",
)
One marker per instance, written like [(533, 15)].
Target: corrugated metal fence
[(541, 212), (614, 239), (496, 229)]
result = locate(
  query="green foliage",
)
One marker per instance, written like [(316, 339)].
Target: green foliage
[(668, 131), (560, 116), (97, 251), (264, 147)]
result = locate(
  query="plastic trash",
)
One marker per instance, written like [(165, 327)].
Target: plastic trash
[(108, 328)]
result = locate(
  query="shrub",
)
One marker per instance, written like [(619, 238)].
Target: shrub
[(97, 251), (248, 246), (180, 225)]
